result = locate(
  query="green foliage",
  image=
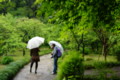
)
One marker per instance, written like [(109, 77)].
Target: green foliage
[(92, 59), (9, 39), (10, 71), (103, 71), (117, 53), (22, 11), (85, 13), (44, 51), (78, 17), (29, 28), (15, 32), (71, 66), (18, 8), (6, 60), (100, 64)]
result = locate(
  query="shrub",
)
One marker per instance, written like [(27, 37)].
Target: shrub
[(89, 59), (6, 60), (10, 71), (1, 53), (71, 67)]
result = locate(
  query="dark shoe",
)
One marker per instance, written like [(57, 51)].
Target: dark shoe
[(35, 72), (30, 70), (53, 73)]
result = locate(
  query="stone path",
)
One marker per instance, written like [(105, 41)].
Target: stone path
[(43, 72)]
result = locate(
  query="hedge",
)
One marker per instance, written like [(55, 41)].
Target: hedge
[(6, 60), (12, 69), (71, 67)]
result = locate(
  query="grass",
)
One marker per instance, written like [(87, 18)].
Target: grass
[(96, 57), (12, 69), (9, 71), (91, 59), (2, 66), (44, 50)]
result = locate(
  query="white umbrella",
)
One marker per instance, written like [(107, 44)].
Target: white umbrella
[(57, 44), (35, 42)]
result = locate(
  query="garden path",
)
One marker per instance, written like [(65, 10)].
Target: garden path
[(43, 72)]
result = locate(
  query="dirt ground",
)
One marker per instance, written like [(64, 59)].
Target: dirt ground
[(43, 73)]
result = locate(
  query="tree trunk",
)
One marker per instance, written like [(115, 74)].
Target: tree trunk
[(83, 51), (23, 52), (76, 40), (103, 47), (105, 51)]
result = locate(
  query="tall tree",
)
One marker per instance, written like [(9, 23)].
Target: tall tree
[(9, 39), (81, 14)]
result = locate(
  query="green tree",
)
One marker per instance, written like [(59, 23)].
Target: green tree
[(81, 14), (18, 7), (28, 28), (9, 39)]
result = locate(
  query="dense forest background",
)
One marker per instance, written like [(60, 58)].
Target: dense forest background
[(87, 26)]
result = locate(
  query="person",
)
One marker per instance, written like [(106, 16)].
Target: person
[(54, 55), (34, 53)]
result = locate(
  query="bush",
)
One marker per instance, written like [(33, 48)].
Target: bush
[(71, 67), (6, 60), (89, 59), (10, 71)]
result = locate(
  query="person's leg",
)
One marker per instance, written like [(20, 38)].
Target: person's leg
[(31, 66), (55, 65), (36, 66)]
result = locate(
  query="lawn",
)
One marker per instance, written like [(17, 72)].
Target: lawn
[(91, 60), (96, 57)]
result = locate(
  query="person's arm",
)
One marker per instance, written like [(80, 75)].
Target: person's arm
[(54, 52), (38, 50)]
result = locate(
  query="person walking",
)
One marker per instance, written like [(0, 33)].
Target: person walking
[(34, 53)]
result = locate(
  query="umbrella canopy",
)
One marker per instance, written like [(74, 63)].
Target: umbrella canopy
[(35, 42), (57, 44)]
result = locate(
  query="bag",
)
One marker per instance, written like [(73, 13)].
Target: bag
[(59, 54)]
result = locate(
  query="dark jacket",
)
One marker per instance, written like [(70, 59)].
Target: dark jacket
[(34, 53)]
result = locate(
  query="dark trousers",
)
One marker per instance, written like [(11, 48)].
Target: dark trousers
[(55, 65)]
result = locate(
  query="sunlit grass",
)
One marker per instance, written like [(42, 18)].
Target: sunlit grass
[(2, 66), (45, 51), (96, 57), (91, 59)]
